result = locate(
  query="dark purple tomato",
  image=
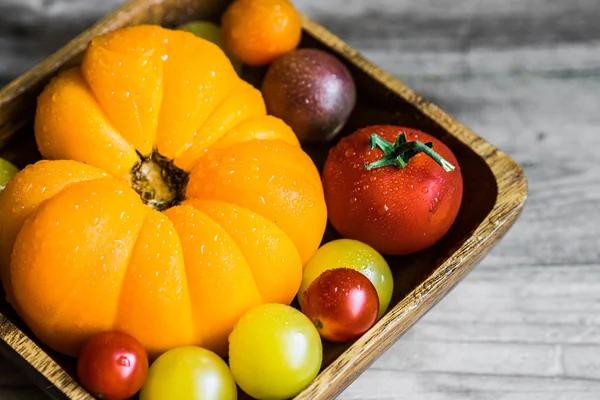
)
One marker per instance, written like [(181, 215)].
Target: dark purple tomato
[(312, 91)]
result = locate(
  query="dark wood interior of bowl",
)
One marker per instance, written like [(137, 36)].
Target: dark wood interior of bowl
[(376, 105)]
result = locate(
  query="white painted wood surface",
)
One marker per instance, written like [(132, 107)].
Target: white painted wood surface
[(524, 74)]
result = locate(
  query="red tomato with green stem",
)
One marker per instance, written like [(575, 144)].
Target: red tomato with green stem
[(342, 303), (112, 366), (397, 189)]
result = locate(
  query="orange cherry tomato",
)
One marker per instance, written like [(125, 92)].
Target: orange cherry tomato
[(256, 32)]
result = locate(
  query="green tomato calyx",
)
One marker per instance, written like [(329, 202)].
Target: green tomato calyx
[(399, 154)]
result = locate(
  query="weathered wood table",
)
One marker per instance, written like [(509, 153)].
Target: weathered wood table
[(524, 74)]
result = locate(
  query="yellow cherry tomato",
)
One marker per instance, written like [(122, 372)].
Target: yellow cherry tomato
[(274, 352), (347, 253), (189, 373)]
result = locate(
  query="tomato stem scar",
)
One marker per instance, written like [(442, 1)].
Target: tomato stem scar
[(158, 181), (399, 153)]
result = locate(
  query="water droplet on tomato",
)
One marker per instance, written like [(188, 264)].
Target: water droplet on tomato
[(353, 200), (365, 187), (382, 210), (373, 178), (350, 152), (425, 190), (411, 186)]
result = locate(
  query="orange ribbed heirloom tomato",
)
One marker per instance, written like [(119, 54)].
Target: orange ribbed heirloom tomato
[(174, 203)]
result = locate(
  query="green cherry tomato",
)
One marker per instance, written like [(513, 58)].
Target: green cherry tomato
[(274, 352), (204, 29), (347, 253), (189, 373), (211, 32), (7, 171)]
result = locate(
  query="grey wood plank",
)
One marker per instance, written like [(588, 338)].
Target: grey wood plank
[(432, 37), (524, 74), (384, 384)]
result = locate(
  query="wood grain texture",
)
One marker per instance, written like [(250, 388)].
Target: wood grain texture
[(524, 75)]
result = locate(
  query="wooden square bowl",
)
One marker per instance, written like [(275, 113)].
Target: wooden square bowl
[(495, 190)]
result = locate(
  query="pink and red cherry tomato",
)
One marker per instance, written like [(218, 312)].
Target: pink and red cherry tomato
[(342, 303), (112, 366)]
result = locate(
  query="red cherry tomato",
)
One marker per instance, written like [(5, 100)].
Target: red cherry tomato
[(112, 366), (342, 303), (397, 193)]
